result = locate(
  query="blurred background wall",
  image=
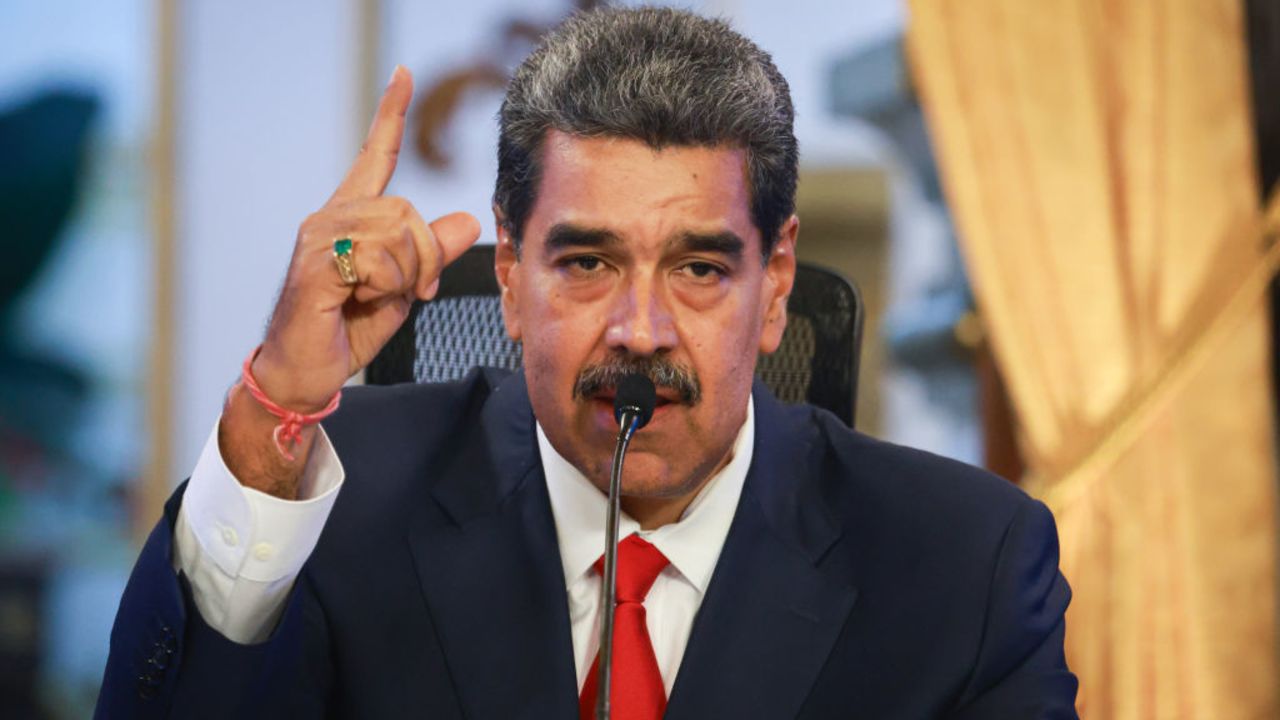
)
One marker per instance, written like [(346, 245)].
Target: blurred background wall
[(77, 102), (178, 145)]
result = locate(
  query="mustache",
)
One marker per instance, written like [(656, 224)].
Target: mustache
[(662, 371)]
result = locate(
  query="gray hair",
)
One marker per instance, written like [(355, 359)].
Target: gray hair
[(663, 76)]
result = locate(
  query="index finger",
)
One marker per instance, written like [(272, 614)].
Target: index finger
[(373, 167)]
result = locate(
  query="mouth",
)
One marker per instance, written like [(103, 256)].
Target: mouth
[(676, 383), (603, 403), (665, 396)]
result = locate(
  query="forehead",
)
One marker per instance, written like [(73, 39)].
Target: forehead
[(640, 193)]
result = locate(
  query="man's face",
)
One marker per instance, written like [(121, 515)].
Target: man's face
[(633, 254)]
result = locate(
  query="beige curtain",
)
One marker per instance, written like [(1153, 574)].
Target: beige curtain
[(1098, 159)]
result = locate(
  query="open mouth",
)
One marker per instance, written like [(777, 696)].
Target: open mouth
[(663, 398), (675, 383), (602, 403)]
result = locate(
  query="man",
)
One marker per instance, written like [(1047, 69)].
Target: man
[(776, 564)]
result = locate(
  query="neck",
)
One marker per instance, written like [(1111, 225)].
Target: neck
[(653, 513)]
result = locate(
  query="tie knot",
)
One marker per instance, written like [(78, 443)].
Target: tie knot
[(638, 566)]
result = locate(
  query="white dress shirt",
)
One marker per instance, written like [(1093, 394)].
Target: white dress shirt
[(692, 544), (242, 549)]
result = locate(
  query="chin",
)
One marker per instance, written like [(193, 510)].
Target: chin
[(647, 475)]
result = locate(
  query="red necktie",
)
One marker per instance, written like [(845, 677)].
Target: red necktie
[(638, 692)]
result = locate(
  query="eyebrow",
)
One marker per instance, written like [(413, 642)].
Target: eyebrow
[(725, 243), (563, 236)]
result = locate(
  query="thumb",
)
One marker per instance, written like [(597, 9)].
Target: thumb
[(456, 232)]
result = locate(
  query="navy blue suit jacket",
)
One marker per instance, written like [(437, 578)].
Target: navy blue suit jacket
[(858, 579)]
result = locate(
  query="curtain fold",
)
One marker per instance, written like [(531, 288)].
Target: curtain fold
[(1098, 161)]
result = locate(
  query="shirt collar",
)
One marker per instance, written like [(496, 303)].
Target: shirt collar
[(692, 543)]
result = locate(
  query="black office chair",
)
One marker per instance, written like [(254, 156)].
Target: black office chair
[(462, 328)]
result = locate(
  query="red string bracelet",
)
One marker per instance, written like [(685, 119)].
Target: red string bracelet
[(291, 423)]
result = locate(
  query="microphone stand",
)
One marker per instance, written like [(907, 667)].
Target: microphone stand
[(629, 420)]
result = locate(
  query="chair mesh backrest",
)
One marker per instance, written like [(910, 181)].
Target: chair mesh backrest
[(462, 328), (453, 335)]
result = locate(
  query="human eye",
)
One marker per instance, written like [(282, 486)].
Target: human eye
[(582, 266), (702, 272)]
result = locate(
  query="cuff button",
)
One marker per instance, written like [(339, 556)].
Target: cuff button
[(263, 552)]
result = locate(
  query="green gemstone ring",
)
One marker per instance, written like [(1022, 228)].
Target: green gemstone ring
[(345, 260)]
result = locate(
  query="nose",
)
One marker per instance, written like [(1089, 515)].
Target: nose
[(640, 323)]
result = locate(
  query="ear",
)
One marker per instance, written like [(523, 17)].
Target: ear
[(779, 277), (506, 261)]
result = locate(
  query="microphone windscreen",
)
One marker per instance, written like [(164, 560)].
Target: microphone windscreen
[(637, 391)]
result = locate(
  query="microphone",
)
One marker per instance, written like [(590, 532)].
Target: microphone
[(635, 399), (633, 404)]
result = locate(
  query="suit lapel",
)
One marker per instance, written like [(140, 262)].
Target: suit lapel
[(490, 572), (489, 567), (771, 614)]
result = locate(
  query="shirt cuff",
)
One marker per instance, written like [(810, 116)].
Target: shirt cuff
[(253, 535)]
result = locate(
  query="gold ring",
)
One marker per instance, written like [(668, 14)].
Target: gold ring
[(344, 258)]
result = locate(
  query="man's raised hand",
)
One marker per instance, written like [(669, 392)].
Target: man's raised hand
[(322, 330)]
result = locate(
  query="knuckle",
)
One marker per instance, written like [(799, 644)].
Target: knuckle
[(400, 206), (388, 277), (429, 256), (312, 225), (310, 221), (405, 242)]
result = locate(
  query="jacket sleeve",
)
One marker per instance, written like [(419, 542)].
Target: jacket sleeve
[(1021, 670), (165, 661)]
